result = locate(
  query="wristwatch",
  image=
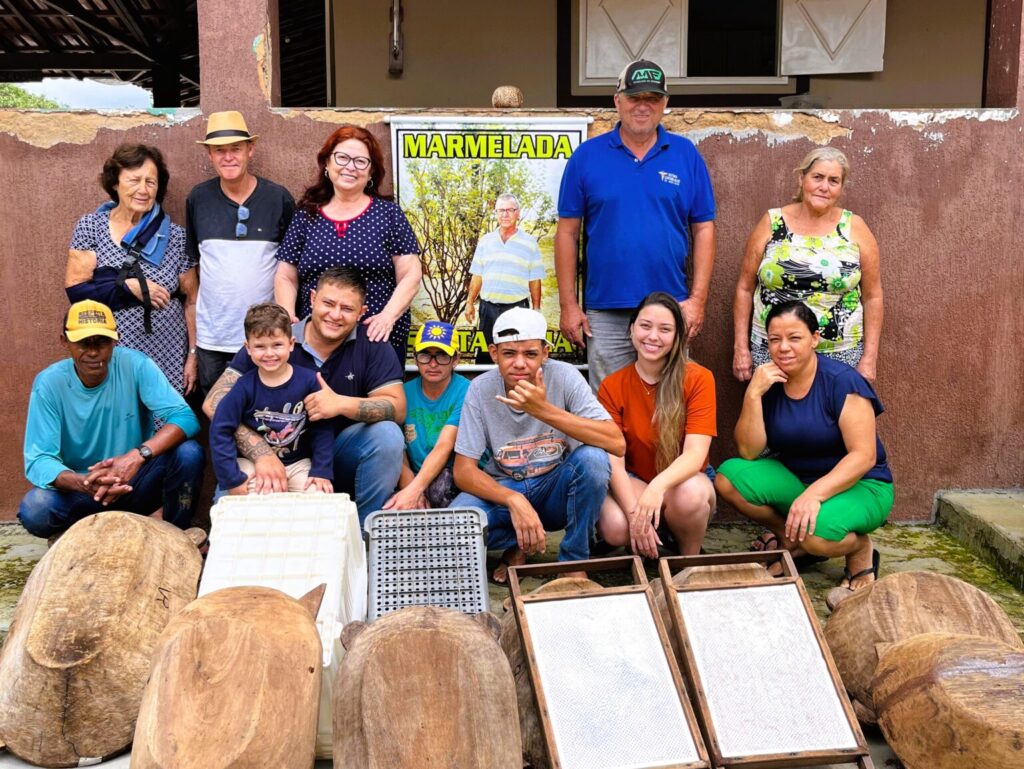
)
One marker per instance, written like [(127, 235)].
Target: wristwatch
[(145, 451)]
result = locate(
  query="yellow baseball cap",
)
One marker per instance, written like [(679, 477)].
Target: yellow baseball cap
[(436, 333), (88, 318)]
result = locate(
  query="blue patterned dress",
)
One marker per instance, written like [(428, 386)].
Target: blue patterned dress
[(168, 344)]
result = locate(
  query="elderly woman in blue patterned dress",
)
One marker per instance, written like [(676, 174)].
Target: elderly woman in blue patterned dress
[(128, 255), (815, 252), (342, 222)]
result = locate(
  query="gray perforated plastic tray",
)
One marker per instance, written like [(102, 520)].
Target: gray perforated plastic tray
[(426, 558)]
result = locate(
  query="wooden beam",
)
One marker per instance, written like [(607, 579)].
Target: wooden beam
[(84, 62), (43, 38), (83, 18), (126, 13)]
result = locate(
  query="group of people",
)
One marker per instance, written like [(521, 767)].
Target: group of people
[(293, 321)]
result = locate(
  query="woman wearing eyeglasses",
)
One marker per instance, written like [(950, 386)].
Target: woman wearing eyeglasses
[(341, 221), (128, 255)]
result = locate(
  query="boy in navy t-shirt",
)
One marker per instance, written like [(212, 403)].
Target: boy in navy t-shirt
[(269, 400)]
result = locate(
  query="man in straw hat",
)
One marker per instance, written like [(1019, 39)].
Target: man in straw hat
[(234, 223), (89, 439)]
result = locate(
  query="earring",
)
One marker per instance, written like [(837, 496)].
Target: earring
[(326, 175), (369, 184)]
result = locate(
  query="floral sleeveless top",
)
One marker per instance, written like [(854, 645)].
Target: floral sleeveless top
[(822, 271)]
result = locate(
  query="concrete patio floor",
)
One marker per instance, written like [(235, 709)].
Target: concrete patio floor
[(903, 548)]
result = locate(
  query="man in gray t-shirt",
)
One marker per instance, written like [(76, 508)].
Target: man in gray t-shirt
[(543, 438)]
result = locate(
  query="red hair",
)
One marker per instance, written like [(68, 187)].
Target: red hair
[(320, 192)]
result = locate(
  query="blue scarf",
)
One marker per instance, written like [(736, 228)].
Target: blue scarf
[(152, 250)]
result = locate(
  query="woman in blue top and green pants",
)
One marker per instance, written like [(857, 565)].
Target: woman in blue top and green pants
[(827, 485)]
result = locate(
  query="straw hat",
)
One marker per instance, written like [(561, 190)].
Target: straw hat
[(226, 128)]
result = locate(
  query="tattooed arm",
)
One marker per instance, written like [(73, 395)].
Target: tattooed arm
[(385, 404), (270, 472)]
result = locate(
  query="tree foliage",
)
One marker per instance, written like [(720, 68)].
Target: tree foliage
[(452, 206), (16, 97)]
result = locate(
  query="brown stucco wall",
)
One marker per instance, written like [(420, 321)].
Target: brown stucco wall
[(939, 190)]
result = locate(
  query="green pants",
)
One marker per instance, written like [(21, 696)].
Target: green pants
[(861, 508)]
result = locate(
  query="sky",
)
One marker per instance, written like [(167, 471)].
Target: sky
[(91, 94)]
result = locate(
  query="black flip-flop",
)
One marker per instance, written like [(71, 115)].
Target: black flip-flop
[(839, 594), (766, 543)]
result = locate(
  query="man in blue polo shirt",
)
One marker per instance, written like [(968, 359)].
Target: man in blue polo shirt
[(642, 194), (361, 394), (89, 439)]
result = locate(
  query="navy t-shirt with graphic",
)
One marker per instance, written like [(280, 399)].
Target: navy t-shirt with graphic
[(805, 432), (278, 414), (357, 367)]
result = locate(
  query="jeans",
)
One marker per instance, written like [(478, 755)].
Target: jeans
[(609, 349), (211, 364), (489, 312), (367, 463), (568, 497), (171, 480)]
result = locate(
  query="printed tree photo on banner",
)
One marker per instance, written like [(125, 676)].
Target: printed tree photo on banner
[(481, 198)]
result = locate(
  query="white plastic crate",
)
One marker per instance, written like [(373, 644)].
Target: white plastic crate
[(294, 542)]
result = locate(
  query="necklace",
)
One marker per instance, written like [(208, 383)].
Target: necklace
[(649, 387)]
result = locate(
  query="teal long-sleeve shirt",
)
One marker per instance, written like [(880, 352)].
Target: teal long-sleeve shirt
[(71, 426)]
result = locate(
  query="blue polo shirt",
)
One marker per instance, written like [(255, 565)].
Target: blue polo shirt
[(357, 366), (637, 215)]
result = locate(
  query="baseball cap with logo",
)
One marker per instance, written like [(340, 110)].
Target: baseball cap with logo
[(520, 325), (642, 76), (436, 333), (88, 318)]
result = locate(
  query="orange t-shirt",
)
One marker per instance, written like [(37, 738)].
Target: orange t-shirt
[(624, 395)]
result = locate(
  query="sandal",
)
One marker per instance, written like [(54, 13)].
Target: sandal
[(839, 594), (766, 542)]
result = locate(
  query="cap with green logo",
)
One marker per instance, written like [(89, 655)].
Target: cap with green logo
[(642, 76)]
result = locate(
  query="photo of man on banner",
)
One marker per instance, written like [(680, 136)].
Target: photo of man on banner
[(480, 196)]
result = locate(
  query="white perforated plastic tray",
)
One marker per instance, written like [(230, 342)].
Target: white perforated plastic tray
[(427, 558), (767, 685), (294, 542), (611, 698)]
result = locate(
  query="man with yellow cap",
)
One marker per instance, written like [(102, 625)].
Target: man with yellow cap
[(234, 223), (433, 409), (90, 443)]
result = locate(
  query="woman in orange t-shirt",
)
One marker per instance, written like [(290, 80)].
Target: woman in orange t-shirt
[(665, 406)]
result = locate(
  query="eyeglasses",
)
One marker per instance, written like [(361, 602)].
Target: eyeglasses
[(442, 358), (502, 211), (243, 216), (342, 160)]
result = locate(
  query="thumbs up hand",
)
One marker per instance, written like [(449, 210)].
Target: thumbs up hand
[(324, 403)]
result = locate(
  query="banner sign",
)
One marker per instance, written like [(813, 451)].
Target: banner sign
[(450, 177)]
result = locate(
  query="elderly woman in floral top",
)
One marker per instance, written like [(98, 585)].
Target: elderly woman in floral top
[(818, 253)]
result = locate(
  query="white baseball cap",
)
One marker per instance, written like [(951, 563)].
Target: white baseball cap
[(520, 325)]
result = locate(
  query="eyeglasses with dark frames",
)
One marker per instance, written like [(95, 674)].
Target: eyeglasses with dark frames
[(359, 163), (442, 358)]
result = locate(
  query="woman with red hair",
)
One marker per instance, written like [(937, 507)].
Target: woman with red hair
[(341, 220)]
